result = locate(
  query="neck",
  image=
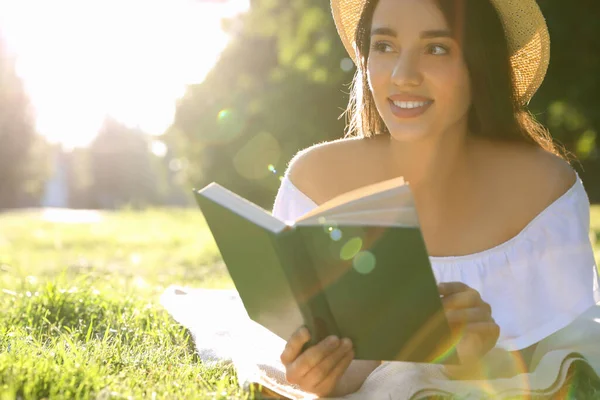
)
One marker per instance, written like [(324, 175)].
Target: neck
[(434, 167)]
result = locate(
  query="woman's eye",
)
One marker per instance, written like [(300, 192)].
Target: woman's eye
[(381, 47), (438, 50)]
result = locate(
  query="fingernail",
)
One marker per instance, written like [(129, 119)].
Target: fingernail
[(332, 341), (346, 343)]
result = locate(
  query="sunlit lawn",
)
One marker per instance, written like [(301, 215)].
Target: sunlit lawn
[(80, 307), (80, 313)]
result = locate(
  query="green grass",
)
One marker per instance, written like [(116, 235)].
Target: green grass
[(80, 314)]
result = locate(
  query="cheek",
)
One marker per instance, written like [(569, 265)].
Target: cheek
[(463, 90), (454, 86), (378, 78)]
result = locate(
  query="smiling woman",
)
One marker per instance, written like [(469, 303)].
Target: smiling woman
[(131, 60)]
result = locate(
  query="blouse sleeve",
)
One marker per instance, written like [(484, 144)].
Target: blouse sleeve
[(557, 278), (541, 280), (290, 203)]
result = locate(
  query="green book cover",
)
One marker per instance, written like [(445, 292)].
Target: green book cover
[(357, 267)]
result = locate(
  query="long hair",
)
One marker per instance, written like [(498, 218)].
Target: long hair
[(495, 111)]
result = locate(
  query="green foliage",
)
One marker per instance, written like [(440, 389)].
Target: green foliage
[(121, 167), (567, 101), (120, 170), (285, 73), (278, 88), (22, 163)]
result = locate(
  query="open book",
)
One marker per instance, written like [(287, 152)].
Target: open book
[(356, 266)]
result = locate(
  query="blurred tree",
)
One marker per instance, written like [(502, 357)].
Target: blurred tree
[(280, 85), (277, 88), (122, 169), (80, 179), (568, 101), (23, 161)]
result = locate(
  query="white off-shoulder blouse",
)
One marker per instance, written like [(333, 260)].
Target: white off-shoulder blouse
[(536, 283)]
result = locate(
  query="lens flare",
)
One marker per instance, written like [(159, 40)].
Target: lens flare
[(230, 124), (328, 226), (223, 114), (347, 64), (336, 235), (351, 248), (364, 262), (249, 160), (496, 366)]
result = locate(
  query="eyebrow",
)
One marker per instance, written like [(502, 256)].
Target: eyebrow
[(424, 35)]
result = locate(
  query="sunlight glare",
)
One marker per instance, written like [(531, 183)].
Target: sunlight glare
[(82, 61), (159, 148)]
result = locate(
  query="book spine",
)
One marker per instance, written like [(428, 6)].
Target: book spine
[(306, 286)]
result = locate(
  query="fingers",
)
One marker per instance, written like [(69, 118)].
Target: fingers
[(448, 288), (328, 384), (293, 347), (461, 296), (320, 367), (489, 332), (311, 357), (484, 328), (323, 370), (471, 317), (468, 315), (466, 299)]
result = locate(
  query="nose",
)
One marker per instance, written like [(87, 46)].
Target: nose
[(407, 71)]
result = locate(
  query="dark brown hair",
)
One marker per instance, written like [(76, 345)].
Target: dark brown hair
[(495, 110)]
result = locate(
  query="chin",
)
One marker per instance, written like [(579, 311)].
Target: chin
[(408, 133)]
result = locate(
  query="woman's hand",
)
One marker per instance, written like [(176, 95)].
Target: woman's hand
[(471, 318), (320, 367)]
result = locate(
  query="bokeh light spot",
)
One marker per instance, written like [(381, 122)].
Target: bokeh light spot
[(175, 165), (159, 148), (364, 262), (272, 168), (347, 65), (328, 226), (351, 248), (249, 161), (223, 114), (230, 123), (336, 235)]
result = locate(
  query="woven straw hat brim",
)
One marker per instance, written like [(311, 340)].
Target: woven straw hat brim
[(524, 25)]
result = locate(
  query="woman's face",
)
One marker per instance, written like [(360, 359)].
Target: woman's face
[(416, 71)]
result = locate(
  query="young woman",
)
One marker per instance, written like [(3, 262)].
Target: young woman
[(440, 97)]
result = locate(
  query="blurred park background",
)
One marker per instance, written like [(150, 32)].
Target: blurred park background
[(122, 107), (113, 104)]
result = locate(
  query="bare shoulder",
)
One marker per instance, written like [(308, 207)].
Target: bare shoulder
[(525, 181), (315, 169), (545, 176)]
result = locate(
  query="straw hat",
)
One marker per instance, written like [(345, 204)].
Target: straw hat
[(524, 25)]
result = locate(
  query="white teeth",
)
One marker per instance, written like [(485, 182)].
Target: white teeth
[(410, 104)]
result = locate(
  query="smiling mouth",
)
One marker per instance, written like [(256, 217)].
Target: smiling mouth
[(409, 105), (409, 109)]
